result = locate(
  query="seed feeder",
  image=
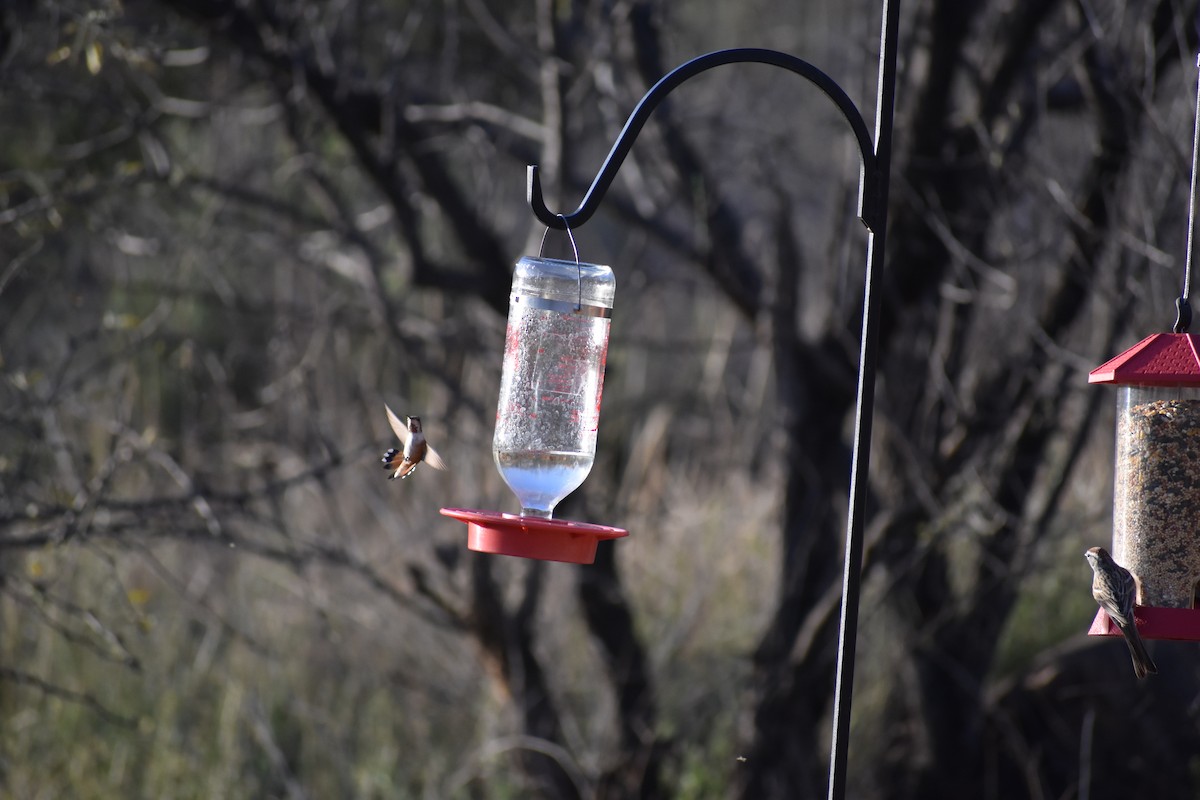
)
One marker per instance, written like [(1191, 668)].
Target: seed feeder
[(549, 410), (1156, 492)]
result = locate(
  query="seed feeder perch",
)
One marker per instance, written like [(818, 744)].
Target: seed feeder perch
[(1156, 491), (549, 410)]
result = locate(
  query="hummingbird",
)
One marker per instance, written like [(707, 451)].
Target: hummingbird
[(414, 450), (1115, 588)]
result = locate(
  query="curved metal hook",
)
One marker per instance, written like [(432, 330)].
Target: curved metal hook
[(868, 199)]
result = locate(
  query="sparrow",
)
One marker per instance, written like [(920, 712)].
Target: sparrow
[(402, 462), (1115, 589)]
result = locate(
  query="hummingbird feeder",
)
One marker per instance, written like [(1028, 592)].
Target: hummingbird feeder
[(1156, 490), (548, 413), (557, 341)]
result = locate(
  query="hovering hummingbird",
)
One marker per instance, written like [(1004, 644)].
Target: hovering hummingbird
[(415, 449)]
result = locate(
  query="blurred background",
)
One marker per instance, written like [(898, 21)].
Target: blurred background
[(230, 231)]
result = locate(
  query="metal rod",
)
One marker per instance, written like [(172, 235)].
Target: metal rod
[(869, 200), (873, 193), (868, 352), (1183, 318)]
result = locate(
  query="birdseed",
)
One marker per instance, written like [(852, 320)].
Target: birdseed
[(1156, 508)]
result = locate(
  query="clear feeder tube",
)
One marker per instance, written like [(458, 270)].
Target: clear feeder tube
[(1156, 494), (554, 356)]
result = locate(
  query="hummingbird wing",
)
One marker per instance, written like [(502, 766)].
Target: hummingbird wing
[(398, 427), (433, 459)]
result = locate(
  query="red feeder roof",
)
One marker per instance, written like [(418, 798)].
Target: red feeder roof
[(1161, 359)]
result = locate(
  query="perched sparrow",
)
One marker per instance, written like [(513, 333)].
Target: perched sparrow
[(401, 463), (1114, 588)]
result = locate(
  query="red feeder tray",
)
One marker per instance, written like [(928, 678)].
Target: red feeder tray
[(533, 537), (1180, 624)]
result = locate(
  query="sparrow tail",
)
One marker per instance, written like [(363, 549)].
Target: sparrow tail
[(1142, 663)]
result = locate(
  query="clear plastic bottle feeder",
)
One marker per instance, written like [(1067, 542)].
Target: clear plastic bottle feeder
[(548, 413), (1156, 495)]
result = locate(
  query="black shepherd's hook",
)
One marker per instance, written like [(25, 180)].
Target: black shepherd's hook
[(869, 199), (872, 209)]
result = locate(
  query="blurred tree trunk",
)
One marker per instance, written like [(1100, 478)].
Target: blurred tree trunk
[(508, 640), (637, 772), (1019, 414)]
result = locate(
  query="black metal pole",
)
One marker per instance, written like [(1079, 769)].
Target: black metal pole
[(868, 351), (873, 195), (1183, 304)]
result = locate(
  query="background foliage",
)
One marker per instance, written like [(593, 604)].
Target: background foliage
[(230, 230)]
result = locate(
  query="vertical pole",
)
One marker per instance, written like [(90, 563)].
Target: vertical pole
[(868, 349), (1183, 307)]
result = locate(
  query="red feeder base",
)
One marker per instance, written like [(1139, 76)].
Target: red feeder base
[(1180, 624), (533, 537)]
